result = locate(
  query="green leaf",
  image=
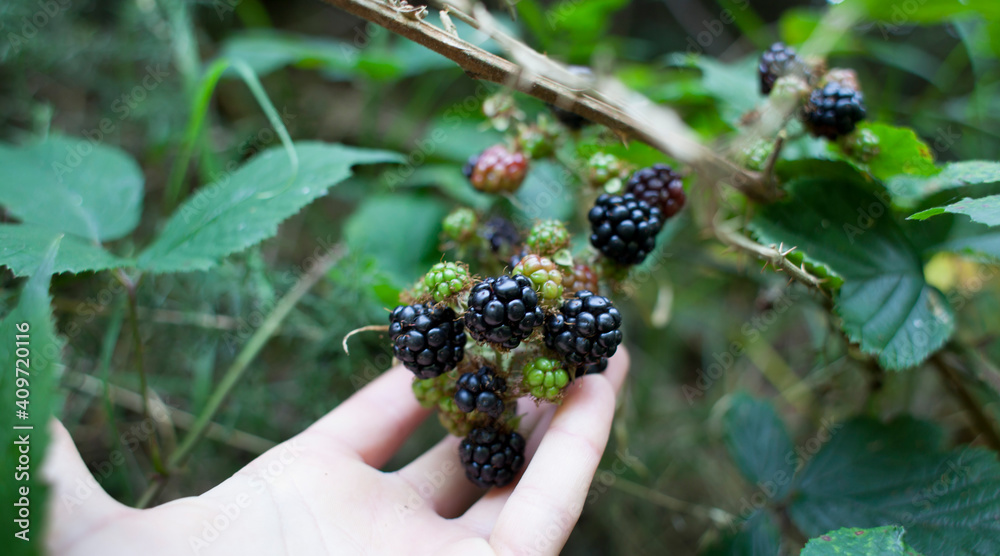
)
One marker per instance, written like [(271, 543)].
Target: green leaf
[(760, 445), (545, 194), (245, 208), (893, 15), (23, 248), (734, 85), (908, 190), (72, 185), (400, 232), (872, 474), (758, 536), (879, 541), (985, 210), (897, 150), (885, 303), (39, 367)]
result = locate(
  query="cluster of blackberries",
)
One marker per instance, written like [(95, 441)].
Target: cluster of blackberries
[(832, 109)]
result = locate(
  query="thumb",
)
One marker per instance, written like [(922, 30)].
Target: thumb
[(77, 505)]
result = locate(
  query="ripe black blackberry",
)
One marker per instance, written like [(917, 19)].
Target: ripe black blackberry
[(503, 311), (585, 331), (833, 110), (501, 234), (482, 391), (491, 457), (777, 61), (624, 228), (659, 186), (428, 340), (593, 368)]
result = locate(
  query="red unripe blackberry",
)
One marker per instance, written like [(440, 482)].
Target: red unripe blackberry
[(428, 340), (481, 391), (503, 311), (659, 186), (582, 278), (624, 228), (496, 170), (778, 61), (586, 329), (833, 110), (491, 457)]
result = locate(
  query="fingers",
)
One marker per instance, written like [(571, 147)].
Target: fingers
[(438, 475), (77, 503), (542, 509), (374, 422)]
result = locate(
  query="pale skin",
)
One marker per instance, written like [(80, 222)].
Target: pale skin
[(323, 492)]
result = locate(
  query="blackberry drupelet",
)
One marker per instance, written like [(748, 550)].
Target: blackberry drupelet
[(624, 228), (503, 311), (481, 391), (778, 61), (834, 110), (659, 186), (585, 330), (428, 340), (491, 457)]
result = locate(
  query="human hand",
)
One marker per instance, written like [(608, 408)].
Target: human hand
[(322, 491)]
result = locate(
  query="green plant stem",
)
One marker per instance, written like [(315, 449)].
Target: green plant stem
[(238, 368), (131, 287), (950, 375)]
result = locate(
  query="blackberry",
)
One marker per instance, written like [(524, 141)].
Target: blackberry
[(585, 330), (460, 224), (445, 280), (496, 170), (624, 228), (582, 278), (547, 237), (604, 167), (500, 233), (491, 457), (778, 61), (834, 110), (659, 186), (545, 379), (481, 391), (568, 118), (430, 391), (428, 340), (503, 311), (593, 368), (543, 274)]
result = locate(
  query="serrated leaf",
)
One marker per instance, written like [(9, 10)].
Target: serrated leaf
[(872, 474), (245, 208), (23, 247), (878, 541), (898, 151), (907, 191), (31, 318), (760, 445), (400, 232), (885, 303), (72, 185), (985, 210)]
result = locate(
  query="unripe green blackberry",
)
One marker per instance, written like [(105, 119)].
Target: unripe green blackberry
[(545, 277), (430, 391), (535, 142), (604, 167), (547, 237), (446, 280), (453, 419), (545, 378), (460, 225)]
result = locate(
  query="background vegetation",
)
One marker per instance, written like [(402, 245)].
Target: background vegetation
[(130, 75)]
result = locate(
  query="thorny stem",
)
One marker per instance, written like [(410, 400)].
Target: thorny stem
[(614, 114), (775, 255), (950, 375)]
